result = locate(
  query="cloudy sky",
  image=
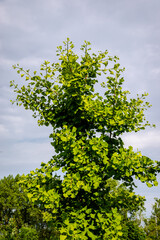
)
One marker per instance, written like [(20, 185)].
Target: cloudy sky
[(31, 30)]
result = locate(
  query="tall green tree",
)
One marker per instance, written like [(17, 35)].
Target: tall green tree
[(87, 138), (152, 224)]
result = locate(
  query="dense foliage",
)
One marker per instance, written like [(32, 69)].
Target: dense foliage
[(19, 218), (87, 138), (22, 220)]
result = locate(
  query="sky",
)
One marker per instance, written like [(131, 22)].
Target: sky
[(30, 32)]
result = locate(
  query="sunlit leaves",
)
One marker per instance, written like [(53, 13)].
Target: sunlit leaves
[(87, 129)]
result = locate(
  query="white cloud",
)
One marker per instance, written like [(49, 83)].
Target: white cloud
[(32, 152), (4, 19), (55, 6), (6, 62), (27, 61), (141, 140), (156, 71), (11, 16), (31, 61), (22, 126), (3, 130), (22, 157)]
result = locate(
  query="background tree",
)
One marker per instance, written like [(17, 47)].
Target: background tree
[(12, 202), (133, 231), (87, 129), (152, 224), (19, 218)]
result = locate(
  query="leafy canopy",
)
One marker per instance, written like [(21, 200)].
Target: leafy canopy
[(87, 138), (19, 218)]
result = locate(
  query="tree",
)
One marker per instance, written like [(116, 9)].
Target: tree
[(20, 219), (12, 204), (132, 231), (152, 224), (87, 138)]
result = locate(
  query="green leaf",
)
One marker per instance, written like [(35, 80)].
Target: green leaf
[(91, 235), (30, 195), (155, 183), (94, 147), (112, 122), (149, 184), (63, 237), (64, 139)]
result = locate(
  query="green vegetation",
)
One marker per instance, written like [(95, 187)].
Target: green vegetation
[(152, 224), (88, 203), (20, 219)]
